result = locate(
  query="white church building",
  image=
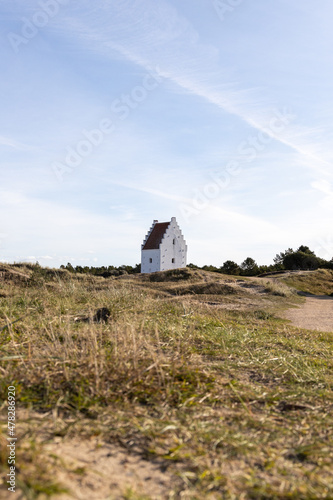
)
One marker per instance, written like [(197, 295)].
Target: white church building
[(164, 247)]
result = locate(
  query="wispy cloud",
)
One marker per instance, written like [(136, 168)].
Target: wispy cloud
[(158, 37), (214, 86), (214, 212), (12, 143), (152, 191), (324, 187), (59, 229)]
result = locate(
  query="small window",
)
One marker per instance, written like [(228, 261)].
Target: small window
[(173, 261), (150, 261), (174, 241)]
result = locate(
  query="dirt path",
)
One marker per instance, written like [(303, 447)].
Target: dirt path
[(315, 314), (107, 472), (93, 470)]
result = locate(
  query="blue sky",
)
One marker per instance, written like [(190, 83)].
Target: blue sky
[(119, 112)]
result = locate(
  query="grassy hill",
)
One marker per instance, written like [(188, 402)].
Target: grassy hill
[(318, 282), (193, 372)]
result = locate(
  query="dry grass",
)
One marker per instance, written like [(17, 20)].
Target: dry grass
[(318, 282), (236, 404), (279, 288)]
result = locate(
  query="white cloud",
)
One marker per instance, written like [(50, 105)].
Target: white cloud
[(12, 143), (38, 226), (323, 186), (164, 41), (149, 178)]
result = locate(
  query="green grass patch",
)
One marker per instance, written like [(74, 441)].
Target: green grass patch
[(318, 282), (233, 402)]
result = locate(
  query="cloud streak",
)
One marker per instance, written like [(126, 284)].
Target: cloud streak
[(12, 143), (214, 211), (156, 37)]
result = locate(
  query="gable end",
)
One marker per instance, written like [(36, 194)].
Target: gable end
[(154, 239)]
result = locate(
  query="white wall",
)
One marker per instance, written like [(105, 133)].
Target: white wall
[(146, 265), (173, 246)]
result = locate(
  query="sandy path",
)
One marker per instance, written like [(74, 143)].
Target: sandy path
[(315, 314), (93, 470), (107, 472)]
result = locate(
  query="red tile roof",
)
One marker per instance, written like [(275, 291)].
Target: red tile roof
[(155, 237)]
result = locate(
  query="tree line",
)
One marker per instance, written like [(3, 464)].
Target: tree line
[(105, 271), (301, 259), (290, 260)]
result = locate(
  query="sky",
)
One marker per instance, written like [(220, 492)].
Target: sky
[(118, 112)]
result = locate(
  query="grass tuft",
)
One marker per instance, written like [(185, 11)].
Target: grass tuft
[(230, 399)]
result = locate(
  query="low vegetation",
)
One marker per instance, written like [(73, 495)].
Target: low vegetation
[(319, 282), (301, 259), (192, 369)]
